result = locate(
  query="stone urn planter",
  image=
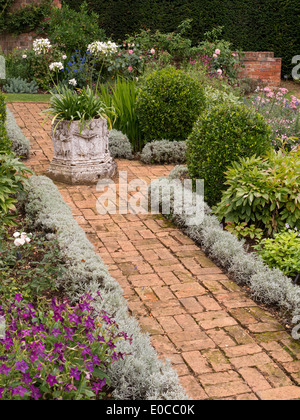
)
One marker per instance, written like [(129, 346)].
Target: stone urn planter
[(81, 156)]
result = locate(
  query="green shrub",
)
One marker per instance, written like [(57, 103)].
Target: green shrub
[(263, 191), (74, 30), (282, 251), (5, 144), (12, 178), (221, 136), (168, 105)]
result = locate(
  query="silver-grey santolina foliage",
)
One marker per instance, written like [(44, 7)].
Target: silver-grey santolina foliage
[(270, 286), (20, 144), (141, 375), (119, 145), (164, 151)]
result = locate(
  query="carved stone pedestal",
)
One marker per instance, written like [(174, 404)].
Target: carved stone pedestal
[(81, 157)]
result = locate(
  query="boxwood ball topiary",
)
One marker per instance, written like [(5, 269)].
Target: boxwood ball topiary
[(221, 136), (168, 105)]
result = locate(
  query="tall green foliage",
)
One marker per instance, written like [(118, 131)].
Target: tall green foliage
[(5, 144), (120, 100), (251, 25)]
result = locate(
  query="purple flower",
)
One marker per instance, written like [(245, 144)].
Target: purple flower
[(26, 378), (22, 366), (97, 386), (1, 392), (51, 380), (19, 390), (58, 347), (35, 393), (56, 332), (75, 373), (4, 369), (18, 297)]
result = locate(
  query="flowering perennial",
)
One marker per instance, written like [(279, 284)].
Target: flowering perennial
[(55, 350), (99, 48), (41, 46)]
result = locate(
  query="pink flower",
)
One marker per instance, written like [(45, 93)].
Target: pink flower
[(215, 56), (130, 52), (220, 72), (233, 54), (130, 68), (152, 51), (217, 51)]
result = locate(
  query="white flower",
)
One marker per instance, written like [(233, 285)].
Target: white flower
[(41, 45), (73, 82), (56, 66), (19, 241), (24, 56), (64, 57), (98, 48), (21, 238)]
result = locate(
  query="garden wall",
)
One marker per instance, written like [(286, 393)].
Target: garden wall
[(9, 42), (262, 66)]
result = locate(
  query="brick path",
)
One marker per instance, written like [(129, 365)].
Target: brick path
[(222, 344)]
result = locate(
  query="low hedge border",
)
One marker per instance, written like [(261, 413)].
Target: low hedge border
[(269, 286), (141, 375), (20, 144), (164, 151)]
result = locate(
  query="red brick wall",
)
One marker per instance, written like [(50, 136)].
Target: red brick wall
[(9, 42), (262, 66)]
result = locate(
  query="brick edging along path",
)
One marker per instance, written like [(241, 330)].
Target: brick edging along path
[(222, 344)]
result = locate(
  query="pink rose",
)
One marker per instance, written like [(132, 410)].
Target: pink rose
[(215, 56), (152, 51), (220, 72), (130, 68), (130, 52), (217, 52)]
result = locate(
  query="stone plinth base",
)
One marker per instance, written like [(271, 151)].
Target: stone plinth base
[(81, 174)]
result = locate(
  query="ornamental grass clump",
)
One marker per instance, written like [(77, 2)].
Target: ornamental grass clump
[(56, 351)]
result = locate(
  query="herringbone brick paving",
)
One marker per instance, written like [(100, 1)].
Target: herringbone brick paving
[(222, 344)]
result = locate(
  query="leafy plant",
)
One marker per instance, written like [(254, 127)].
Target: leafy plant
[(29, 264), (73, 30), (282, 251), (221, 136), (121, 102), (169, 103), (19, 85), (263, 191), (82, 106), (56, 351), (12, 179), (242, 230), (5, 143)]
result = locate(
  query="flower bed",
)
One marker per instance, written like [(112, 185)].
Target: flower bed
[(140, 375)]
